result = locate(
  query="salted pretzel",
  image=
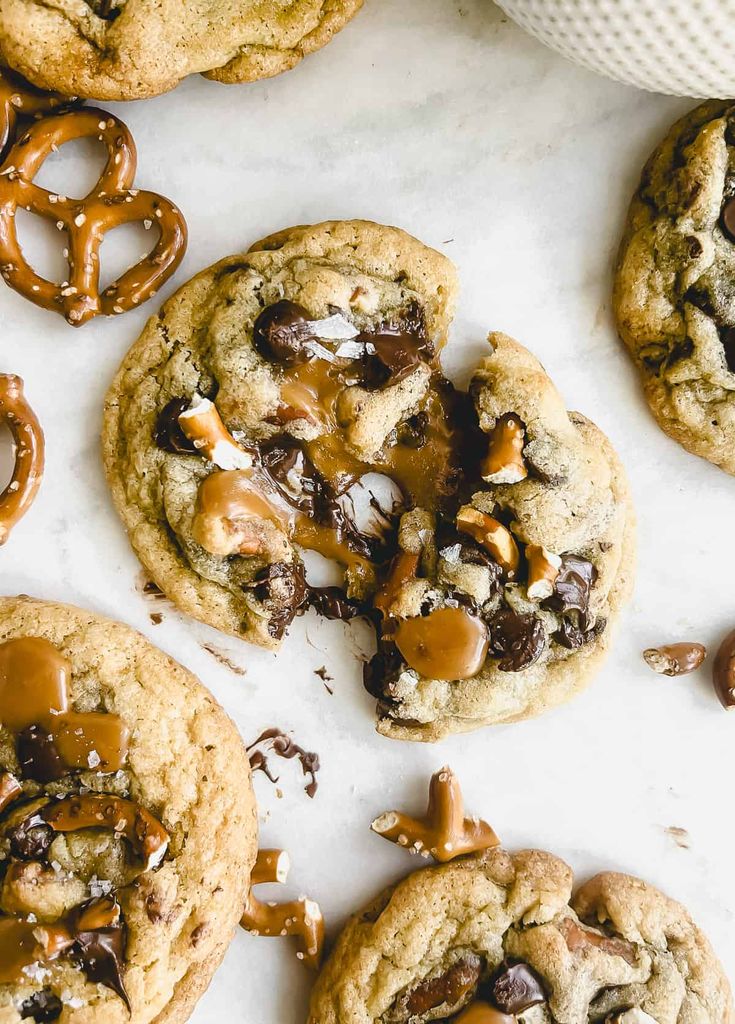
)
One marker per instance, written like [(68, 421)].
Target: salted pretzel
[(19, 98), (301, 918), (28, 442), (444, 833), (112, 202)]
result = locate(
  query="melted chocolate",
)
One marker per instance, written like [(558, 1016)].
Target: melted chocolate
[(395, 348), (43, 1007), (381, 673), (284, 746), (451, 989), (31, 839), (572, 637), (515, 987), (100, 938), (168, 434), (332, 603), (282, 588), (572, 587), (38, 755), (518, 640)]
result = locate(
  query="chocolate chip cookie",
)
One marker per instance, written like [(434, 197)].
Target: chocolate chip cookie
[(130, 49), (674, 295), (499, 937), (127, 823), (291, 401)]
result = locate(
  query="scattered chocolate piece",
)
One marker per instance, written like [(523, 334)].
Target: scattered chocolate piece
[(39, 758), (280, 331), (168, 434), (515, 987), (723, 672), (284, 746), (518, 640), (675, 659), (156, 618), (42, 1007), (332, 603), (450, 991)]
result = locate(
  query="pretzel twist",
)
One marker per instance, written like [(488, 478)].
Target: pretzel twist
[(444, 833), (28, 442), (19, 99), (112, 202), (300, 918)]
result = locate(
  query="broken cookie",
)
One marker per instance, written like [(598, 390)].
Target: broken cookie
[(291, 400)]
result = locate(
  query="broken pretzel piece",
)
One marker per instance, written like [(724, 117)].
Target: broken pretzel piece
[(202, 425), (503, 463), (301, 918), (28, 442), (444, 833), (492, 535), (543, 569)]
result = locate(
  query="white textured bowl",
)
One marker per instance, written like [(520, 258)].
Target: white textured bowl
[(684, 47)]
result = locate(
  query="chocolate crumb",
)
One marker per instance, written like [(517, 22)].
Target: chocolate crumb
[(325, 678), (156, 618), (222, 658)]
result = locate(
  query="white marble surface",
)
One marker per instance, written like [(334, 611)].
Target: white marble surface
[(445, 119)]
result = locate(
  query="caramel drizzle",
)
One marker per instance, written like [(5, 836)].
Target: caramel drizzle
[(300, 918), (34, 690), (444, 832), (29, 446)]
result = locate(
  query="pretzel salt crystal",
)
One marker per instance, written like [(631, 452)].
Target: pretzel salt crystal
[(301, 918), (111, 203), (445, 832), (19, 99), (28, 441)]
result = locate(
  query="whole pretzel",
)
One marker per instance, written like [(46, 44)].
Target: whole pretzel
[(19, 99), (112, 202), (28, 441)]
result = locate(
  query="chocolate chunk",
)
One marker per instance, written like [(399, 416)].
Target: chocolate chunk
[(515, 987), (283, 458), (282, 588), (518, 640), (727, 337), (571, 636), (727, 219), (572, 587), (42, 1007), (280, 333), (38, 756), (101, 955), (31, 839), (168, 434), (332, 603), (395, 348), (450, 990)]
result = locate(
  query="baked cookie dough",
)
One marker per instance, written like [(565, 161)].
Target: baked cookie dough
[(500, 937), (674, 296), (244, 425), (130, 49), (127, 823)]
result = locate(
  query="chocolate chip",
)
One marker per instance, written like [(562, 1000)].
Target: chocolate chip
[(572, 587), (727, 337), (727, 219), (38, 756), (42, 1007), (280, 333), (572, 637), (332, 603), (282, 588), (168, 434), (31, 839), (515, 987), (450, 991), (518, 640)]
